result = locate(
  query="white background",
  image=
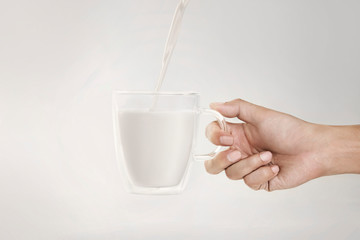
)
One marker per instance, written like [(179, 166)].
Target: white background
[(60, 60)]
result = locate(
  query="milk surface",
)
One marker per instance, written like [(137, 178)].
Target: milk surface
[(156, 145)]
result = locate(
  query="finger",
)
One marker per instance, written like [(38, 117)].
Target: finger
[(242, 168), (259, 179), (222, 160), (217, 136), (241, 109)]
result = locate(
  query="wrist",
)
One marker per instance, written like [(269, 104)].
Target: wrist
[(341, 149)]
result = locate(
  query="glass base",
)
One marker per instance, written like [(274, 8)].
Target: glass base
[(172, 190), (155, 191)]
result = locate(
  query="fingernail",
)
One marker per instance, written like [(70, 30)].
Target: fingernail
[(275, 169), (215, 104), (226, 140), (265, 156), (234, 156)]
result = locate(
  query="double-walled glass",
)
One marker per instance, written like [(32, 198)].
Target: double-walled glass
[(154, 139)]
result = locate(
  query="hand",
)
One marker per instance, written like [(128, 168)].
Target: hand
[(273, 150)]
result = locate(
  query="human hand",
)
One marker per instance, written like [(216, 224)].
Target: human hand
[(273, 150)]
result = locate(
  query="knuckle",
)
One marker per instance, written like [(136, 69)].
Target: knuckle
[(211, 131), (230, 175), (207, 165), (262, 171), (255, 161), (210, 167), (222, 160), (213, 125), (246, 181), (250, 185), (238, 101)]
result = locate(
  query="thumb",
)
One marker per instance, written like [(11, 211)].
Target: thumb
[(241, 109)]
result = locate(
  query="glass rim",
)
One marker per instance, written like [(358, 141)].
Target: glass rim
[(167, 93)]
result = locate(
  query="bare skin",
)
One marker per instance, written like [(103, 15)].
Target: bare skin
[(273, 150)]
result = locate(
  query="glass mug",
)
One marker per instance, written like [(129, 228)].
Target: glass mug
[(155, 134)]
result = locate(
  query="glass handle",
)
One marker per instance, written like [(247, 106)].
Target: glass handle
[(222, 123)]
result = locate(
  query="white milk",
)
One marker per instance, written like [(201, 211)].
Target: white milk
[(156, 145)]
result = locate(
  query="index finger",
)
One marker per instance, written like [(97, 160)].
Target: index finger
[(241, 109)]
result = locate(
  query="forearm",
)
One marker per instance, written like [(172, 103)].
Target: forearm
[(342, 149)]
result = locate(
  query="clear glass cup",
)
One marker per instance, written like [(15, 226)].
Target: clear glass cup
[(155, 135)]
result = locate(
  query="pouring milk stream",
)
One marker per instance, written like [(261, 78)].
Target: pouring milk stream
[(170, 45)]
